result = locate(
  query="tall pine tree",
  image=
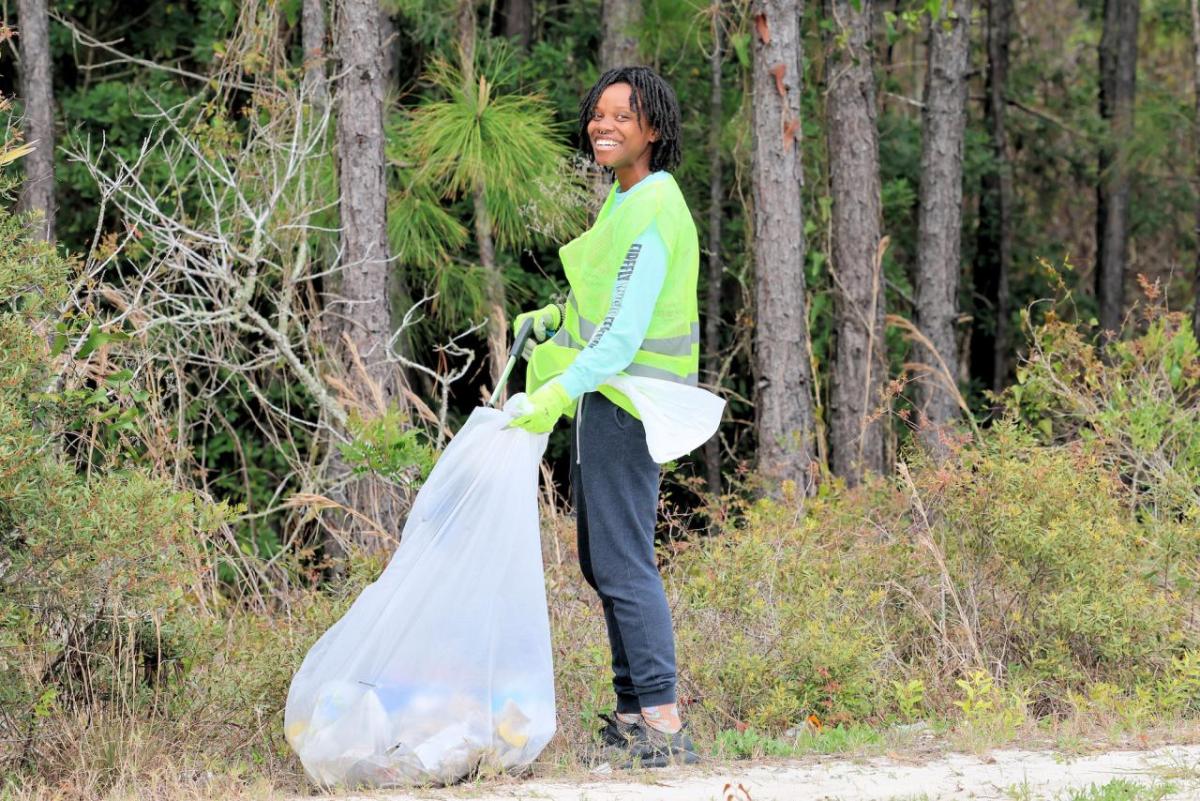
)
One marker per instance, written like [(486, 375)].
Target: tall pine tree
[(783, 396)]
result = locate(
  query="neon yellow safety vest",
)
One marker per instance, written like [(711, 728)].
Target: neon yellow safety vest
[(592, 263)]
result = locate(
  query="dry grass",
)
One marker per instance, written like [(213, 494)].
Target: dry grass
[(782, 618)]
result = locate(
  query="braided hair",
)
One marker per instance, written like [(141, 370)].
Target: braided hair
[(652, 100)]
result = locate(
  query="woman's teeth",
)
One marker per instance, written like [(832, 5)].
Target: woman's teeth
[(605, 144)]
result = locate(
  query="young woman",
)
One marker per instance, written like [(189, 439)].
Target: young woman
[(631, 310)]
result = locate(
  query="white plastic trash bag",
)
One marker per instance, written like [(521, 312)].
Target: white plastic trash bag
[(444, 663), (678, 418)]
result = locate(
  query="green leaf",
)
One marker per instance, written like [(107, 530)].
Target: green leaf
[(741, 47), (97, 338)]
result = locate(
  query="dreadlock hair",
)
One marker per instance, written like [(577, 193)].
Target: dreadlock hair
[(652, 100)]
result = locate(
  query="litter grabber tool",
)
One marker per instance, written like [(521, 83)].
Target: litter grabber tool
[(515, 352)]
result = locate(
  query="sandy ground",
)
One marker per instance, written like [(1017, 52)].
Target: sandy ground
[(1001, 774)]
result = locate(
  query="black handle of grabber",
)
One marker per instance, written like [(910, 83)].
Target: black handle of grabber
[(518, 345), (519, 340)]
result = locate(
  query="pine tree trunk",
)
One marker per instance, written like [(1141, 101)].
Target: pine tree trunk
[(313, 33), (360, 310), (37, 96), (390, 36), (618, 33), (497, 320), (1196, 134), (1118, 70), (465, 24), (518, 22), (939, 228), (990, 335), (783, 397), (712, 295), (859, 368), (618, 48)]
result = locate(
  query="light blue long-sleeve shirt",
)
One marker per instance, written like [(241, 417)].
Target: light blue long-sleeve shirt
[(617, 339)]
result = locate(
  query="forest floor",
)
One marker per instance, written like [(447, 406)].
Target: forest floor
[(1166, 773)]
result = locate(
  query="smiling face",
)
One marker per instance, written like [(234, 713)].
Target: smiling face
[(619, 140)]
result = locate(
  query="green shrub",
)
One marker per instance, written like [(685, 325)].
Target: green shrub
[(749, 744), (770, 631), (1046, 570), (997, 583), (96, 571), (1135, 403)]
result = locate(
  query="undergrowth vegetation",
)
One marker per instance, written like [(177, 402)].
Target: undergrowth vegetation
[(1044, 569), (998, 582)]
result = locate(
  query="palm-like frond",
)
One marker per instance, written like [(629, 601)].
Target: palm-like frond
[(462, 293), (507, 143), (420, 231)]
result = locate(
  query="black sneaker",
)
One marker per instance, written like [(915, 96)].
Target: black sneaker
[(617, 732), (651, 748)]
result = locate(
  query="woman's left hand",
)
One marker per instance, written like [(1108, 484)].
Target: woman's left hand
[(549, 402)]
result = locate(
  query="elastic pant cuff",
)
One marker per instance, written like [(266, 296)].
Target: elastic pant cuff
[(657, 698), (629, 705)]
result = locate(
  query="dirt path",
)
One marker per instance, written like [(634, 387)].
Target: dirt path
[(999, 775)]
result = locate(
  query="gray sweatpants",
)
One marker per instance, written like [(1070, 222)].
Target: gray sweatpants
[(614, 485)]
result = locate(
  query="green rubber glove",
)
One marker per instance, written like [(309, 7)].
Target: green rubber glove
[(545, 319), (549, 402)]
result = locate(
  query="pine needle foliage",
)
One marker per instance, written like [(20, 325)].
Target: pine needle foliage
[(471, 134), (420, 231)]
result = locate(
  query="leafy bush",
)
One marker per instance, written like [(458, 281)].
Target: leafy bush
[(390, 446), (995, 584), (1135, 403), (769, 628), (1045, 570), (93, 568)]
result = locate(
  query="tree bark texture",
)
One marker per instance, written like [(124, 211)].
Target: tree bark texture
[(783, 397), (313, 33), (716, 270), (1118, 70), (990, 334), (361, 311), (618, 48), (939, 227), (518, 22), (860, 364), (464, 18), (1196, 134), (618, 35), (497, 335), (37, 95)]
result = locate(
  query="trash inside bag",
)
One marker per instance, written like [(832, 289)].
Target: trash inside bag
[(443, 665)]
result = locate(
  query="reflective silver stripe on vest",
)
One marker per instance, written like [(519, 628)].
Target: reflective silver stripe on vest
[(673, 346), (663, 346), (564, 339), (646, 371), (587, 328)]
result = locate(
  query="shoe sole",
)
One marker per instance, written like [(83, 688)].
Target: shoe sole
[(675, 759)]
